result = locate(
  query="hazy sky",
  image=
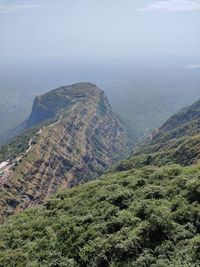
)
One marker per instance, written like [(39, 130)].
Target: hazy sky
[(98, 29)]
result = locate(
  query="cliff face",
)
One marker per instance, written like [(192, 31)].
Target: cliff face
[(81, 142), (49, 105)]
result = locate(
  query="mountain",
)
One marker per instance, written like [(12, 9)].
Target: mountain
[(145, 211), (176, 141), (143, 97), (72, 137)]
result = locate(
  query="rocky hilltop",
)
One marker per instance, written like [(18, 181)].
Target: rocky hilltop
[(74, 138)]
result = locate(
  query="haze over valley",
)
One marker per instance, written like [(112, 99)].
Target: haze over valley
[(151, 92)]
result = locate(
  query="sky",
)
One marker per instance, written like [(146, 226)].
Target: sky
[(97, 30)]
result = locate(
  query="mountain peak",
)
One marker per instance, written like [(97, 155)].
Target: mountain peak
[(50, 104), (77, 138)]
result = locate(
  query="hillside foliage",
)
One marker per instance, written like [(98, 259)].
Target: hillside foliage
[(140, 217), (17, 145)]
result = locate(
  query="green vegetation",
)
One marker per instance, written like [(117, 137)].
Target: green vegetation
[(141, 217), (17, 146), (20, 143)]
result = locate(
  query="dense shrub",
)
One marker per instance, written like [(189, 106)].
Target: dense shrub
[(140, 217)]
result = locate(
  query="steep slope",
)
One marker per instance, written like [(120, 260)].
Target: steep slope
[(137, 214), (177, 141), (183, 117), (75, 138)]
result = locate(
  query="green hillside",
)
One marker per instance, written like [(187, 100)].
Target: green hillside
[(176, 142), (144, 212), (140, 217)]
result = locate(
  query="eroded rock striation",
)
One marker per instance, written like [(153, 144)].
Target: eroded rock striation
[(78, 139)]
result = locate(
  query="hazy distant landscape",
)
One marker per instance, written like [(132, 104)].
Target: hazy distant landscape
[(142, 97)]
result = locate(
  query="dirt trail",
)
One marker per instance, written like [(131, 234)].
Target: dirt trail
[(53, 124), (7, 172)]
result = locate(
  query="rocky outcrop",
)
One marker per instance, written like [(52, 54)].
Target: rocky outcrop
[(80, 143)]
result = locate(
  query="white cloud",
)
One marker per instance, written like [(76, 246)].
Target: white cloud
[(8, 8), (173, 6), (192, 66)]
